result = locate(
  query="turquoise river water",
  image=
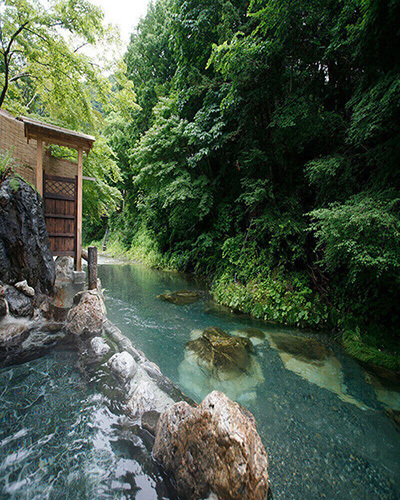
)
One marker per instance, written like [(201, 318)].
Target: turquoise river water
[(324, 421)]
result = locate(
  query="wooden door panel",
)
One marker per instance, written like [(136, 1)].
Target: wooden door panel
[(60, 201)]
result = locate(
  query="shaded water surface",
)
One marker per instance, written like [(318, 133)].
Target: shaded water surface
[(323, 420)]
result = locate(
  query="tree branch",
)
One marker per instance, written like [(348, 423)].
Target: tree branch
[(17, 77), (7, 59)]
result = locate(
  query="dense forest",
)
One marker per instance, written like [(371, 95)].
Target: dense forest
[(257, 144)]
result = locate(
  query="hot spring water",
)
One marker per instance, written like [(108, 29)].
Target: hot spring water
[(321, 417), (323, 420)]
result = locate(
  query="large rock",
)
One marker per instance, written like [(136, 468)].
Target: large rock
[(22, 340), (11, 333), (222, 354), (123, 365), (19, 304), (146, 396), (314, 362), (99, 347), (213, 448), (24, 242), (180, 298), (87, 317)]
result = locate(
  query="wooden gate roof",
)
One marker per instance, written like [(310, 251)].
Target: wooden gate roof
[(56, 135)]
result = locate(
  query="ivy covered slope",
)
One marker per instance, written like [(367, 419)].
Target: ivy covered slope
[(265, 153)]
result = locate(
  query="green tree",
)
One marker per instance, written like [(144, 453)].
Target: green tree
[(43, 67)]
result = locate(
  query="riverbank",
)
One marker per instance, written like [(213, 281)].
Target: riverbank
[(273, 297)]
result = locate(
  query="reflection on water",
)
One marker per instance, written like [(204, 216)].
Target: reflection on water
[(59, 440), (324, 428)]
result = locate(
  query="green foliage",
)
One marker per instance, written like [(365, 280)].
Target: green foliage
[(357, 346), (45, 73), (101, 196), (43, 66), (6, 164), (273, 298), (362, 235), (361, 250), (268, 139)]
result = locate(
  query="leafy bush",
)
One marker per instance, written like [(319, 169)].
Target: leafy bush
[(360, 244), (273, 298)]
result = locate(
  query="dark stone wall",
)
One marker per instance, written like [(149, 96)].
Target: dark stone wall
[(24, 242)]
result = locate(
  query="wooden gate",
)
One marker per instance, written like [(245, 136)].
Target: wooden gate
[(60, 196)]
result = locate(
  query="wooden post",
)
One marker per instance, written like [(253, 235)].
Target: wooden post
[(92, 267), (78, 263), (39, 166)]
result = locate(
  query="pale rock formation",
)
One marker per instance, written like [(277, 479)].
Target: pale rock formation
[(23, 287), (213, 448), (99, 346), (122, 365)]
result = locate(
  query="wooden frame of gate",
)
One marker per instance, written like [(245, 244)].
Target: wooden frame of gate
[(64, 230), (60, 195)]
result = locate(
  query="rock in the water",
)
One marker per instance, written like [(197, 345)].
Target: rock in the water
[(386, 384), (222, 354), (213, 448), (23, 287), (255, 335), (24, 242), (18, 303), (123, 365), (301, 348), (314, 362), (87, 317), (22, 340), (146, 396), (180, 298), (99, 346)]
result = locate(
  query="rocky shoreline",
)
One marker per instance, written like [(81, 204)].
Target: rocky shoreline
[(237, 468), (45, 305)]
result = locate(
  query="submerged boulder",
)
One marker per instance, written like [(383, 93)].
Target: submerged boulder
[(255, 335), (180, 298), (222, 354), (216, 360), (24, 242), (314, 362), (301, 348), (213, 448)]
